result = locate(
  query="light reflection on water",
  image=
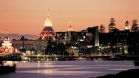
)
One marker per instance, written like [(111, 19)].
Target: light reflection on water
[(68, 69)]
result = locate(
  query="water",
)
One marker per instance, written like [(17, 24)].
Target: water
[(68, 69)]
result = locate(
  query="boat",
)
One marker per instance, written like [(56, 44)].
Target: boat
[(7, 67)]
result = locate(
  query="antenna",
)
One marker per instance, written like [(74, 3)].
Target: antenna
[(6, 32), (70, 23), (48, 14), (127, 17)]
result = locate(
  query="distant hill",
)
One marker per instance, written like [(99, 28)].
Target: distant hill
[(18, 36)]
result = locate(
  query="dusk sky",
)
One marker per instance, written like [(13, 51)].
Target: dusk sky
[(28, 16)]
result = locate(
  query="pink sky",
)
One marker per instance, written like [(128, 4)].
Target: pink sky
[(28, 16)]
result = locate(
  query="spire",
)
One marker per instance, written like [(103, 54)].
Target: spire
[(112, 25), (127, 25), (48, 15), (48, 22), (102, 29), (70, 23), (70, 29)]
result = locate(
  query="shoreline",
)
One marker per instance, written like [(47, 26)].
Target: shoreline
[(133, 73)]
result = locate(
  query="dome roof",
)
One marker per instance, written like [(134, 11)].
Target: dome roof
[(48, 29)]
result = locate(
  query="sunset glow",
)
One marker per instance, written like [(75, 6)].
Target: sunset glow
[(28, 16)]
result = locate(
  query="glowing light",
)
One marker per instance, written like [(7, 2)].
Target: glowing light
[(8, 63), (7, 48), (48, 22), (7, 42), (127, 28), (89, 46)]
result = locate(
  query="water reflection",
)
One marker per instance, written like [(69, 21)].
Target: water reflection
[(38, 66), (68, 69)]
